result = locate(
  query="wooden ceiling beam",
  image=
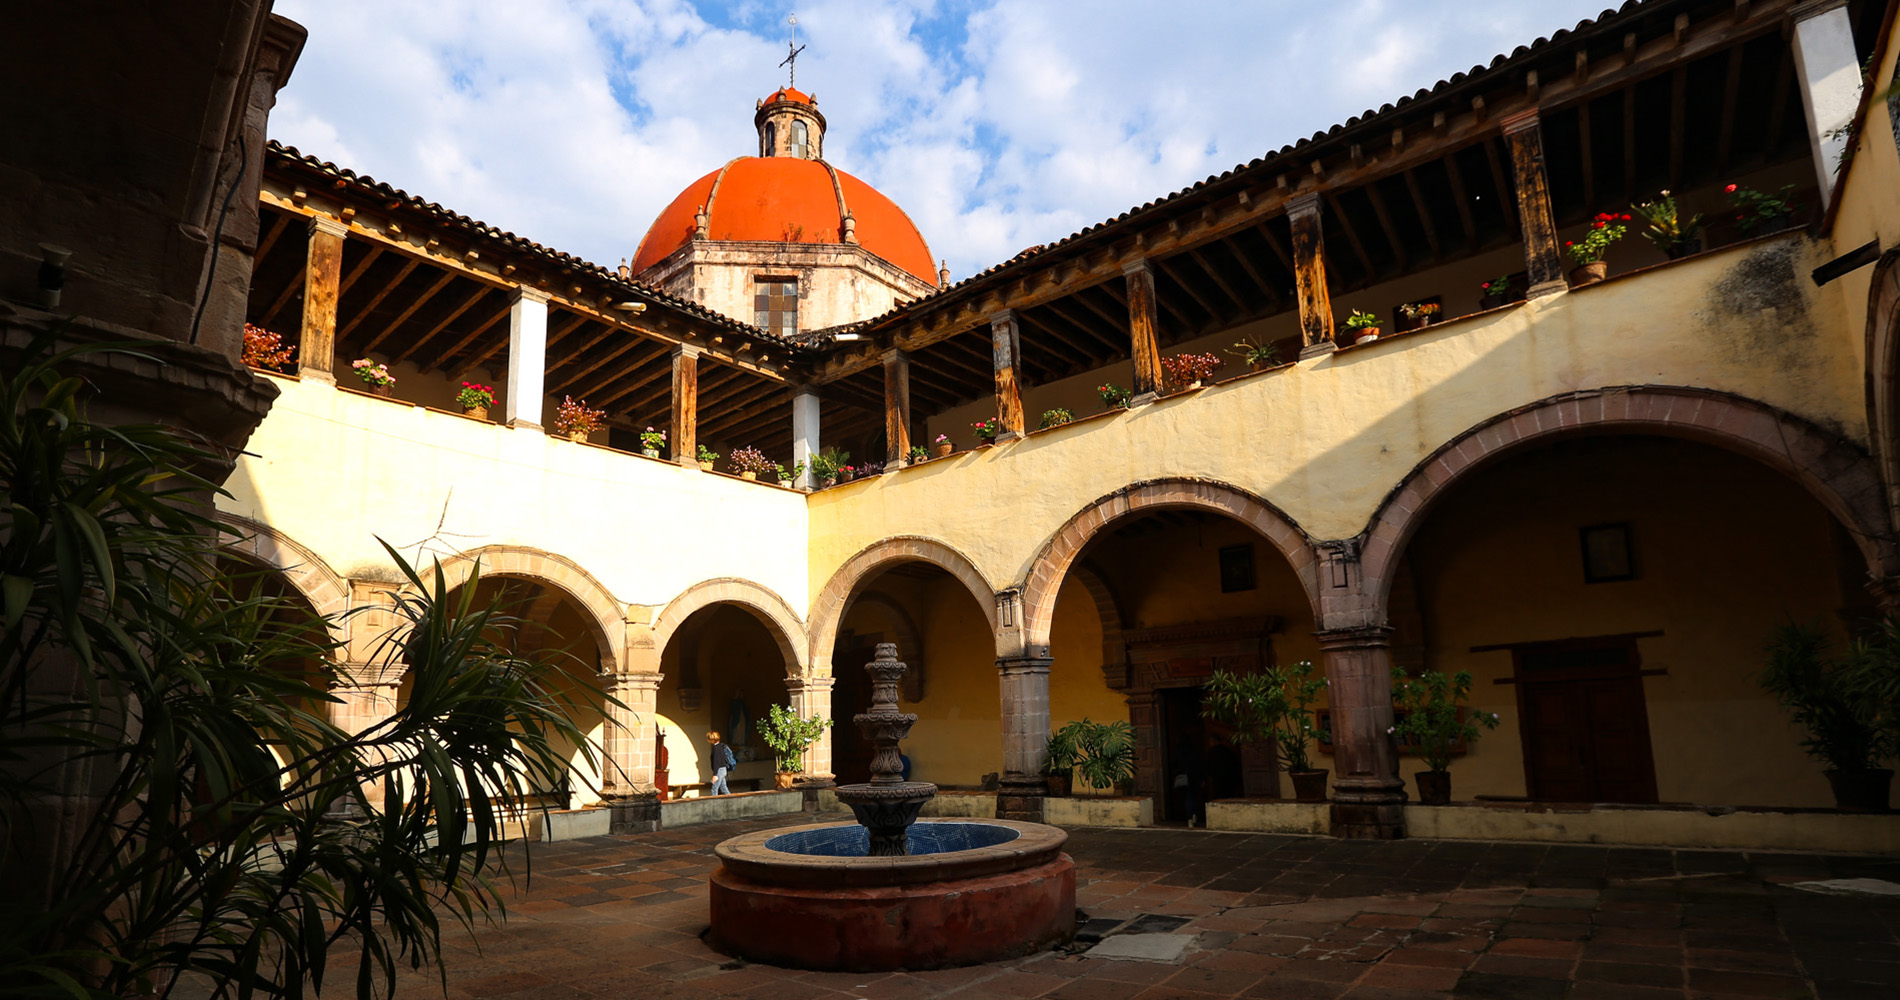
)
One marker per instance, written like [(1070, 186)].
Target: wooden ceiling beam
[(1424, 214), (1778, 103), (279, 222), (661, 371), (421, 300), (572, 379), (1352, 235), (1167, 268), (442, 360), (1273, 243), (1507, 198), (377, 299), (291, 287), (1585, 143), (1629, 143), (454, 314), (1275, 300), (1385, 223), (1725, 137), (1462, 198), (1054, 327), (1678, 117), (370, 256), (1110, 347), (1242, 307)]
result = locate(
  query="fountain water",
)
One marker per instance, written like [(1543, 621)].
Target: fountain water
[(889, 892)]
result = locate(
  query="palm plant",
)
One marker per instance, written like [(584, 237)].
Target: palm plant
[(173, 799)]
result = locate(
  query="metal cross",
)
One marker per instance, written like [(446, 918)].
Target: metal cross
[(792, 60)]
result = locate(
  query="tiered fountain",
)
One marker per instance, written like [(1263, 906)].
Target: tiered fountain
[(889, 892)]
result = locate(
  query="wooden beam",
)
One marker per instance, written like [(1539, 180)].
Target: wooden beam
[(1678, 116), (685, 436), (442, 362), (1215, 315), (1424, 214), (1506, 198), (1725, 138), (1542, 256), (1273, 243), (279, 222), (1006, 342), (1241, 306), (896, 408), (1352, 235), (370, 256), (421, 300), (1462, 199), (606, 381), (1275, 300), (323, 264), (664, 369), (1587, 151), (292, 286), (1778, 101), (1047, 325), (1385, 223), (454, 314), (377, 299), (1110, 347), (1309, 272), (1143, 330), (1629, 143)]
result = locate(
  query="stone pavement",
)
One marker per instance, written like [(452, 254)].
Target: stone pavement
[(1268, 916)]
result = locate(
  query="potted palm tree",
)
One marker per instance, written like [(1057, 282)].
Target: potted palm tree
[(1847, 707), (1105, 754), (788, 736), (1059, 772), (1432, 724)]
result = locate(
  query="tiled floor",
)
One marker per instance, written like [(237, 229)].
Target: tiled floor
[(1271, 916)]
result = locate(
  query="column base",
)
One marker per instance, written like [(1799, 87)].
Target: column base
[(1369, 820), (1316, 350), (1142, 399), (1021, 800), (316, 375), (1545, 288), (634, 814)]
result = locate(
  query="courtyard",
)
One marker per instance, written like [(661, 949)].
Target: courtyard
[(1262, 915)]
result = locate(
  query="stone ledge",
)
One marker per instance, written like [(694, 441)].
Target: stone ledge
[(1767, 830), (739, 805), (1102, 810), (1270, 816)]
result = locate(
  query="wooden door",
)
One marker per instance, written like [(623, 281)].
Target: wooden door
[(1585, 725)]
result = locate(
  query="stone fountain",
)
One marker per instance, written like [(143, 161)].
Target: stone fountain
[(889, 892), (887, 805)]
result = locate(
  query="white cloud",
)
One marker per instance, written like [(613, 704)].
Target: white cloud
[(996, 126)]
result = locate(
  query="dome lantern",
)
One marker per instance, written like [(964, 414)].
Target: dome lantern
[(789, 125)]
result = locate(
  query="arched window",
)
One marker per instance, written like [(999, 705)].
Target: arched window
[(771, 139), (798, 139)]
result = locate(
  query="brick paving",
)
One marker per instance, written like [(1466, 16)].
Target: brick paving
[(1271, 916)]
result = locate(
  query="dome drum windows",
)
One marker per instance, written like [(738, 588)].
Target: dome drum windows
[(775, 304)]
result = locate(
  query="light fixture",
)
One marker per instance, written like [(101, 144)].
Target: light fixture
[(635, 308)]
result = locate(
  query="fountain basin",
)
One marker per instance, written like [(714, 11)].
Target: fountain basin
[(1001, 889)]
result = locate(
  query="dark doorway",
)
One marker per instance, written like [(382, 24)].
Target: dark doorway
[(1585, 722), (1184, 755), (851, 696)]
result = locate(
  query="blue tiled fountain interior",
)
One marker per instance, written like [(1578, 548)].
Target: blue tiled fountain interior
[(924, 838)]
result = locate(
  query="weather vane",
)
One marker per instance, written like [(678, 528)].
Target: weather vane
[(791, 61)]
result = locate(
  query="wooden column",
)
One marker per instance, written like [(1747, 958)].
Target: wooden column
[(1006, 345), (685, 436), (323, 268), (896, 408), (1543, 255), (1309, 275), (1144, 347)]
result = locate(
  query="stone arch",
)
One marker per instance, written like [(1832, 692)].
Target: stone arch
[(1883, 373), (1835, 472), (326, 591), (1108, 608), (607, 613), (1051, 565), (909, 639), (827, 610), (765, 605)]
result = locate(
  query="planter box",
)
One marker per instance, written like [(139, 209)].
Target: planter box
[(739, 805), (1104, 810), (1271, 816), (1712, 827), (573, 824)]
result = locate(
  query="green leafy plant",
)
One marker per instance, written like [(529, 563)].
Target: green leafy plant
[(1104, 752), (1360, 320), (826, 464), (1498, 287), (1605, 230), (1055, 418), (706, 454), (1063, 752), (219, 825), (985, 429), (652, 440), (1255, 353), (789, 475), (1274, 704), (1430, 719), (918, 453), (788, 736), (1839, 703), (473, 394), (1114, 396), (576, 417), (1664, 226), (1756, 210)]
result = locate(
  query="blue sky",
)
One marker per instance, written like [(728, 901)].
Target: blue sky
[(996, 125)]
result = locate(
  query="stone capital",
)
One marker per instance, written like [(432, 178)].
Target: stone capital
[(1014, 665), (1301, 205), (328, 226), (530, 294), (1361, 637), (1519, 122), (1137, 266), (687, 350)]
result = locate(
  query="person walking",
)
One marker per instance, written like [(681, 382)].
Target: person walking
[(722, 761)]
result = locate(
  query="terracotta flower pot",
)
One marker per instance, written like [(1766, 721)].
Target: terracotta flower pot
[(384, 391), (577, 437), (1861, 791), (1434, 787), (705, 466), (944, 450), (783, 779), (1061, 785), (1367, 335), (1589, 274), (650, 452), (1309, 786), (478, 412), (1677, 251), (748, 474), (1490, 301)]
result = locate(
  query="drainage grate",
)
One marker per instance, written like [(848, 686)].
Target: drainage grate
[(1154, 923)]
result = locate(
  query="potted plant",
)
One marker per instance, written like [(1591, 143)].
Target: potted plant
[(1258, 356), (1059, 771), (1432, 724), (706, 457), (1104, 753), (1363, 326), (374, 375), (788, 736), (1114, 397), (575, 420), (1419, 315), (1840, 704), (1497, 292), (827, 465), (787, 477), (1274, 704), (1759, 212), (866, 470), (1664, 226), (264, 349), (1588, 253), (985, 430), (750, 462), (475, 399), (1189, 370), (651, 442), (1055, 418), (944, 446)]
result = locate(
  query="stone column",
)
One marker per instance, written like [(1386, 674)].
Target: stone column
[(1144, 348), (1543, 256), (1025, 691), (896, 408), (685, 435), (1368, 794), (805, 432), (323, 269), (812, 696), (1830, 80), (627, 771), (527, 357), (1309, 275), (1006, 348)]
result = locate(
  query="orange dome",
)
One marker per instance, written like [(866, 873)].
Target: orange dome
[(782, 199)]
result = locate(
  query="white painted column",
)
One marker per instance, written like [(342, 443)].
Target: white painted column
[(805, 432), (527, 357), (1830, 82)]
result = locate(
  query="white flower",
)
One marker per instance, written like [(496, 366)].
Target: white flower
[(1389, 730)]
